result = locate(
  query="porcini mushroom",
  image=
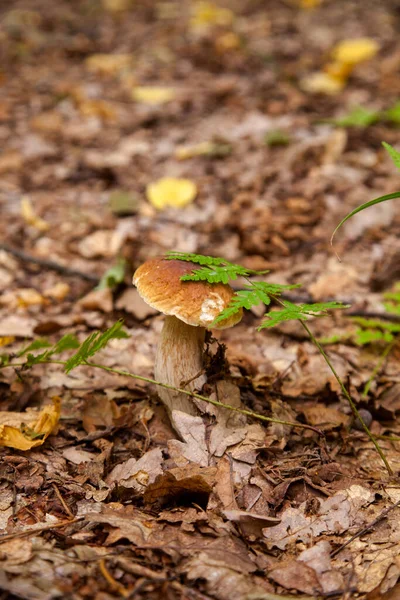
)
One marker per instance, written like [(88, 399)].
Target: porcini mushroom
[(190, 308)]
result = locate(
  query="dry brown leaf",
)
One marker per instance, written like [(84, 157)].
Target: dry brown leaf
[(137, 474), (192, 481), (251, 524), (335, 515), (194, 447)]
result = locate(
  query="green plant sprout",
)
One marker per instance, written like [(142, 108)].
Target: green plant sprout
[(395, 156), (362, 117)]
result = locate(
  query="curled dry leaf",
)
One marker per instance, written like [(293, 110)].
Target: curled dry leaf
[(30, 217), (189, 482), (23, 432), (137, 474)]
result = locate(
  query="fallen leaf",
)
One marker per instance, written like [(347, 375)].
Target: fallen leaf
[(322, 83), (108, 64), (153, 95), (137, 474), (318, 558), (170, 191), (207, 14), (103, 242), (325, 418), (131, 302), (295, 575), (17, 326), (335, 515), (30, 217), (98, 300), (123, 203), (193, 433), (179, 484), (116, 5), (20, 436), (99, 411), (224, 581), (355, 51), (251, 524)]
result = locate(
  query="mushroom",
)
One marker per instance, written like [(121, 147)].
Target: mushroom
[(190, 308)]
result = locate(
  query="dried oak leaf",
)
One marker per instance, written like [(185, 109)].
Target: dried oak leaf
[(181, 484), (335, 515)]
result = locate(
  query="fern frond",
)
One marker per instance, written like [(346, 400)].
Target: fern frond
[(214, 269), (252, 295), (394, 154), (93, 344), (299, 312)]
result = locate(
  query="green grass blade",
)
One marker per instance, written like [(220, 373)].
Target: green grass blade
[(363, 207)]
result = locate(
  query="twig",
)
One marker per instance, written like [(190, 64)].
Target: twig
[(48, 264), (243, 411), (21, 534), (378, 367), (113, 583), (349, 398), (365, 529), (61, 499)]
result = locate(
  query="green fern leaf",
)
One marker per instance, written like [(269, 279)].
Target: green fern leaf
[(300, 312), (394, 154), (93, 344)]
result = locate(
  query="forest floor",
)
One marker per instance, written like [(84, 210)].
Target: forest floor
[(111, 504)]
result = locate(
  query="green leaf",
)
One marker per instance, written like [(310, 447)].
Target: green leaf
[(113, 276), (93, 344), (298, 312), (277, 137), (358, 117), (252, 295), (35, 345), (214, 269), (393, 114), (363, 207), (366, 336), (394, 154)]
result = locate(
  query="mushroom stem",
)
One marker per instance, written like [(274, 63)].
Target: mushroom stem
[(179, 359)]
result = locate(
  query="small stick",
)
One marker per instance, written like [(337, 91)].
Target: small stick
[(365, 529), (21, 534), (113, 583), (48, 264), (61, 499)]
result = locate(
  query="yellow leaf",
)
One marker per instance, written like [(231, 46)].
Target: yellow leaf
[(185, 152), (322, 83), (24, 431), (108, 64), (116, 5), (170, 191), (227, 41), (307, 4), (97, 108), (6, 340), (153, 95), (30, 217), (207, 14), (355, 51)]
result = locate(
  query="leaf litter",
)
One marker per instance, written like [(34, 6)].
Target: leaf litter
[(98, 495)]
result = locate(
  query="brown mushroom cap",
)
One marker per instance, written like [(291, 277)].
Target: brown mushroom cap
[(196, 303)]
